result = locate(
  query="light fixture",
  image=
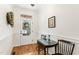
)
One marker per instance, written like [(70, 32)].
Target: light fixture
[(32, 5)]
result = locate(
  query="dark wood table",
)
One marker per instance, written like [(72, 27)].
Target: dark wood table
[(44, 44)]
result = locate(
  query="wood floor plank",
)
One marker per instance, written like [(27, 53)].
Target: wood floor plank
[(30, 49)]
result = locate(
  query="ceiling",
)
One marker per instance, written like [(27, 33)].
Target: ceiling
[(36, 7)]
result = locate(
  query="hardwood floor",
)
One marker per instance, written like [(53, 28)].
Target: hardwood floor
[(30, 49)]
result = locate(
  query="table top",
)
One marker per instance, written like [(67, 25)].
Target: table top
[(46, 43)]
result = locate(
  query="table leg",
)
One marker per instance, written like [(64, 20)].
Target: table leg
[(55, 49), (44, 51)]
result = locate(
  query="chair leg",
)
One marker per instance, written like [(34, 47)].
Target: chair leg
[(47, 51), (55, 49)]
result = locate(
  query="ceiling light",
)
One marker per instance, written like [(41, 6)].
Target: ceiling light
[(32, 5)]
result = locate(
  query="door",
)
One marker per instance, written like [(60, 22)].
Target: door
[(25, 29)]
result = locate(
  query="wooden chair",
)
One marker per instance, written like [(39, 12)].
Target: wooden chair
[(64, 48)]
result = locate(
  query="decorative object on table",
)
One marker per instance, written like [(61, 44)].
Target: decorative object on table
[(10, 18), (48, 38), (52, 22), (43, 37)]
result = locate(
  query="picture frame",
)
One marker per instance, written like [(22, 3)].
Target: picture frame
[(52, 22)]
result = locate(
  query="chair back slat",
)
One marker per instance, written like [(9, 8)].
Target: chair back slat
[(65, 47)]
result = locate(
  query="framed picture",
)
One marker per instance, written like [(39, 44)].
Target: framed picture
[(52, 22)]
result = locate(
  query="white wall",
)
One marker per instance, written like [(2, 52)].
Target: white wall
[(5, 31), (23, 40), (67, 21)]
